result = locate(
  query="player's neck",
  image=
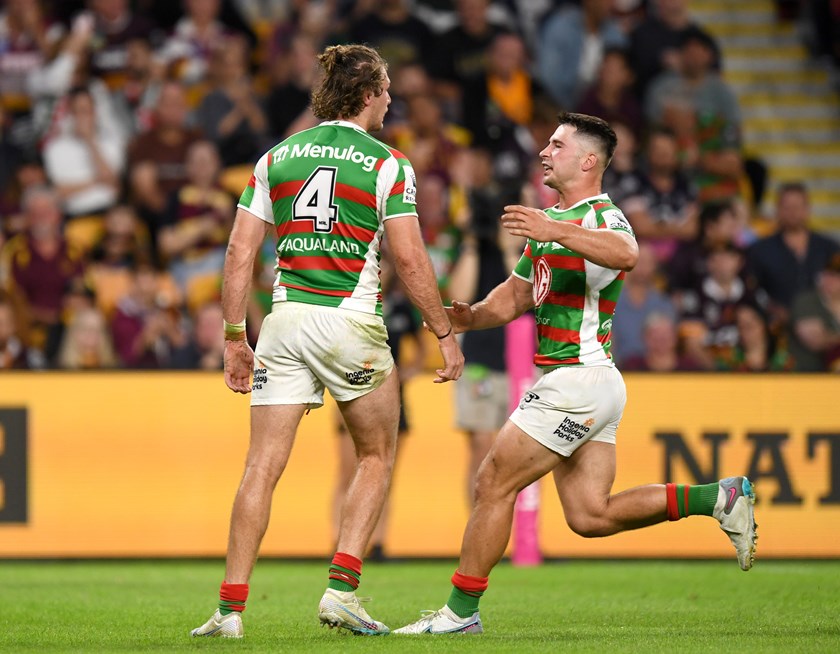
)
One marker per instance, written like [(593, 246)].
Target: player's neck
[(570, 196), (359, 121)]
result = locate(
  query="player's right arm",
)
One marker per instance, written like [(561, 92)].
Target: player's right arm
[(246, 238), (414, 268), (254, 217), (503, 304), (611, 248)]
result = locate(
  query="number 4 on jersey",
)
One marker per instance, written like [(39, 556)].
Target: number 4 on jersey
[(314, 200)]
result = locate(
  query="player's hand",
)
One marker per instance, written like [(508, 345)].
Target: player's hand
[(453, 359), (528, 222), (239, 363), (460, 316)]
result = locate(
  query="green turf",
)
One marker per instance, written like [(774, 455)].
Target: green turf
[(604, 607)]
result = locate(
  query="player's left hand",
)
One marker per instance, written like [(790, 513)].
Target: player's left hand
[(528, 222), (239, 363)]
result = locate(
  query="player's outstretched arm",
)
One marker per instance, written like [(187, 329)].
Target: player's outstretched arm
[(609, 248), (505, 303), (414, 268), (245, 241)]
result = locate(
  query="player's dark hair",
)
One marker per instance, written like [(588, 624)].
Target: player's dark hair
[(350, 71), (593, 127)]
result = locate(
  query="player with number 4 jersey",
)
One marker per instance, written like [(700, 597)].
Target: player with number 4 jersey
[(330, 194), (328, 191)]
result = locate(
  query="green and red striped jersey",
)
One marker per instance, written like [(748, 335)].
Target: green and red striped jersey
[(574, 298), (328, 191)]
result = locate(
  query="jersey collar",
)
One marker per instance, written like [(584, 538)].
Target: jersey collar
[(602, 196), (343, 123)]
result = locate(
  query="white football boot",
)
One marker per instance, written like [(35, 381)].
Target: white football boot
[(734, 510), (443, 621), (224, 626), (344, 610)]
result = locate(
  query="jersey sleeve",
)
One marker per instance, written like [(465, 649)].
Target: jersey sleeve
[(524, 268), (611, 217), (256, 198), (397, 187)]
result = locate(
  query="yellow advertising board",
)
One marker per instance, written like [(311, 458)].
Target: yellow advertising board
[(146, 464)]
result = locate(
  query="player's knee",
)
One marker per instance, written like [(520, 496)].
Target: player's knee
[(490, 486), (380, 460), (587, 525), (265, 472)]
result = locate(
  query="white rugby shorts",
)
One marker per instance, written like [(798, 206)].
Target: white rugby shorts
[(303, 348), (571, 405)]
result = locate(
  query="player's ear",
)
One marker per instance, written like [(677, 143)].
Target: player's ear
[(589, 161)]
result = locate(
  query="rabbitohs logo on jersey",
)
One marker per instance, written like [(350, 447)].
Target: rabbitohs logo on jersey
[(542, 281)]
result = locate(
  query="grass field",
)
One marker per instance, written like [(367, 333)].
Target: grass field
[(639, 607)]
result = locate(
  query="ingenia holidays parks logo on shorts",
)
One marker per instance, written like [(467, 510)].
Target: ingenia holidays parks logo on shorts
[(260, 376), (360, 377)]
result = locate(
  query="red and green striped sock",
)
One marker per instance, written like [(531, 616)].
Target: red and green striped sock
[(345, 572), (232, 597), (684, 500), (466, 592)]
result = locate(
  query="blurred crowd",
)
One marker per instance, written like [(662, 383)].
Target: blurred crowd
[(128, 130)]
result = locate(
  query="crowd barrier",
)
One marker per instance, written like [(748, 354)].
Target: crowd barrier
[(146, 465)]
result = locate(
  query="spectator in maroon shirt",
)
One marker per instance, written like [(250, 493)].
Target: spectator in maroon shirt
[(188, 50), (147, 324), (157, 158), (27, 41), (115, 25), (39, 267), (195, 231)]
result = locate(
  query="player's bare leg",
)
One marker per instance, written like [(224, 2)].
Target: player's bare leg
[(347, 463), (272, 436), (346, 470), (372, 420), (480, 442), (584, 482), (515, 460)]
